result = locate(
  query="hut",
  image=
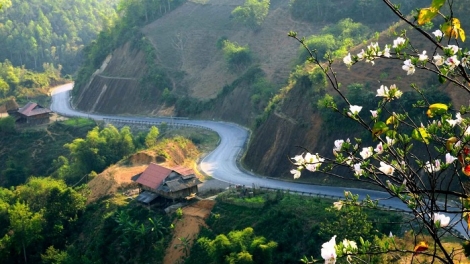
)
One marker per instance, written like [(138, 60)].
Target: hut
[(32, 114), (170, 183)]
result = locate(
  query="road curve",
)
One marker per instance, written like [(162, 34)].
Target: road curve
[(221, 163)]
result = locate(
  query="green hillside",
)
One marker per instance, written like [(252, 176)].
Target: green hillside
[(35, 32)]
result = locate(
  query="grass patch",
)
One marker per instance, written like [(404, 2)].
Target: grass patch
[(79, 122), (205, 140)]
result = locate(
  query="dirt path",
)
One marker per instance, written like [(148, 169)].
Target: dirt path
[(187, 228)]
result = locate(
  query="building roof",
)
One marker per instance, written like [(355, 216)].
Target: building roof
[(183, 170), (166, 179), (32, 109), (153, 175), (183, 182)]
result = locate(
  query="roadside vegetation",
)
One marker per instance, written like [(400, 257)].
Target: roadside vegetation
[(291, 225), (22, 84)]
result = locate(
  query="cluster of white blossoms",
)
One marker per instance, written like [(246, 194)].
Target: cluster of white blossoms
[(308, 161), (452, 57), (389, 93), (372, 52)]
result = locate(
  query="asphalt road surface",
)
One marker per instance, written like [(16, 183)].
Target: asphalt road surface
[(221, 163)]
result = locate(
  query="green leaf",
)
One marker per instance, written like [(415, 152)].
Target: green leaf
[(442, 79), (437, 4)]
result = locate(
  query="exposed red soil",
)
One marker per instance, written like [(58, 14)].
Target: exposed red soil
[(187, 227)]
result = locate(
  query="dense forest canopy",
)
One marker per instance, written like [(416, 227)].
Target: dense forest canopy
[(51, 31)]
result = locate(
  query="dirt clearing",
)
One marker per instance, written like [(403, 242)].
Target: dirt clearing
[(186, 229)]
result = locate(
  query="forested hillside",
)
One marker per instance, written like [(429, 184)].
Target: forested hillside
[(35, 32)]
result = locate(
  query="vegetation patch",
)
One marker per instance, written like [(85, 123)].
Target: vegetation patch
[(294, 222)]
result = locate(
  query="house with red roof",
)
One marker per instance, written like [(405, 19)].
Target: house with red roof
[(33, 114), (171, 183)]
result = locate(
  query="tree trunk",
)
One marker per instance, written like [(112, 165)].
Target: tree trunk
[(24, 252)]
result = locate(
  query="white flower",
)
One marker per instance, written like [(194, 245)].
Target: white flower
[(382, 91), (452, 61), (466, 133), (328, 251), (296, 173), (452, 49), (338, 145), (357, 169), (373, 49), (394, 92), (423, 56), (465, 62), (408, 67), (299, 160), (309, 158), (450, 158), (386, 52), (348, 60), (386, 169), (313, 162), (391, 234), (366, 152), (361, 55), (456, 121), (438, 60), (373, 113), (433, 167), (437, 34), (338, 205), (397, 43), (442, 219), (355, 109), (380, 148), (349, 244), (389, 141)]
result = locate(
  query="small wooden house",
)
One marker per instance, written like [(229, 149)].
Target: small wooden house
[(32, 114), (170, 183)]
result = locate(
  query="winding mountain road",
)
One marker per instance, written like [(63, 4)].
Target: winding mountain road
[(222, 162)]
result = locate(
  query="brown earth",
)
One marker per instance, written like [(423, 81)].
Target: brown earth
[(119, 176), (187, 227)]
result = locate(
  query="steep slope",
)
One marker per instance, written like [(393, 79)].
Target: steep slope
[(184, 42), (295, 125)]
